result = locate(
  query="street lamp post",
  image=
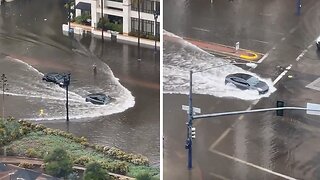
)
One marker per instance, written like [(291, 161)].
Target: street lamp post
[(155, 14), (4, 84), (66, 84)]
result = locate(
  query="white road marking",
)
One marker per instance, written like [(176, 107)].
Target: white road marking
[(218, 176), (310, 46), (284, 38), (201, 29), (263, 42), (224, 134), (301, 55), (293, 30), (253, 165), (263, 58), (282, 74)]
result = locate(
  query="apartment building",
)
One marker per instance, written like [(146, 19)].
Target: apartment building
[(124, 12)]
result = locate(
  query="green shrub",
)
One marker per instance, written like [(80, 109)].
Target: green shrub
[(83, 160), (82, 19), (107, 25), (94, 171), (144, 176), (58, 163), (32, 153)]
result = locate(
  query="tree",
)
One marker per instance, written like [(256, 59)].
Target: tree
[(94, 171), (138, 3), (58, 163)]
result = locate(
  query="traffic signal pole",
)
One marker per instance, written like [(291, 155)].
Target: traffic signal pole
[(313, 109), (189, 126)]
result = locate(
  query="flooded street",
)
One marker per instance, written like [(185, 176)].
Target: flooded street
[(248, 146), (32, 44)]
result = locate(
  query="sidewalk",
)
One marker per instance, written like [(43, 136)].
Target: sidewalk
[(18, 160), (224, 50), (131, 39)]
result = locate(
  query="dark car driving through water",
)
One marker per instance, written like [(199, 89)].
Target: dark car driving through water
[(98, 98), (56, 78), (246, 81)]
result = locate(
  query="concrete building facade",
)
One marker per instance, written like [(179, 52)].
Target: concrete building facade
[(124, 12)]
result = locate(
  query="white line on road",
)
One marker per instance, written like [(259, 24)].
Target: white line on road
[(310, 46), (293, 30), (282, 74), (301, 55), (218, 176), (263, 58), (201, 29), (224, 134), (263, 42), (284, 38), (253, 165)]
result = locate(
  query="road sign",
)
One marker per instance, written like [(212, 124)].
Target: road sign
[(195, 109), (313, 109)]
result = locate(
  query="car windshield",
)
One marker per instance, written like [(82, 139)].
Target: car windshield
[(59, 76), (253, 81)]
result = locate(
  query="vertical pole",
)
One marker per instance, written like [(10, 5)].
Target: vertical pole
[(155, 32), (190, 117), (102, 20), (67, 82), (2, 78), (298, 7), (139, 58), (69, 16)]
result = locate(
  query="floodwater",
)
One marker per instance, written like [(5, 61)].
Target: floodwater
[(32, 44)]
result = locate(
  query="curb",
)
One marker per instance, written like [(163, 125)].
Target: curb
[(241, 54)]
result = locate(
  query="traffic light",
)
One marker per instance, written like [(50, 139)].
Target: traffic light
[(280, 104), (193, 132)]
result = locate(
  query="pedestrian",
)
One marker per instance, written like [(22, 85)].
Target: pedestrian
[(94, 67)]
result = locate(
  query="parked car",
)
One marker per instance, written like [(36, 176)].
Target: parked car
[(318, 43), (246, 81), (56, 78), (98, 98)]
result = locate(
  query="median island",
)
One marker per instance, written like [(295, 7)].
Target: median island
[(19, 138)]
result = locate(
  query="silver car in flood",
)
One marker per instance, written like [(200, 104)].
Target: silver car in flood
[(98, 98), (246, 81)]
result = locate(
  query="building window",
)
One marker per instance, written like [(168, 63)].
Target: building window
[(116, 0), (146, 27), (146, 6)]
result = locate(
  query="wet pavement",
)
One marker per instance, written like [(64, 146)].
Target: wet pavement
[(255, 146), (32, 43)]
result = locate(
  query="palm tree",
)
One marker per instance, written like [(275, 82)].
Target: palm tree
[(137, 2)]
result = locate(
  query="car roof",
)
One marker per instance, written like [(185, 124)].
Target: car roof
[(241, 75), (318, 39), (96, 94)]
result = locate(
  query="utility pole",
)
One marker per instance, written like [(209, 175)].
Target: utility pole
[(4, 84), (189, 125)]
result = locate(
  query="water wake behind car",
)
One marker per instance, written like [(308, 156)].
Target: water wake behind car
[(27, 89), (209, 71)]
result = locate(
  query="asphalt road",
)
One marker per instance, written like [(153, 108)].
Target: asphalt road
[(255, 146)]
